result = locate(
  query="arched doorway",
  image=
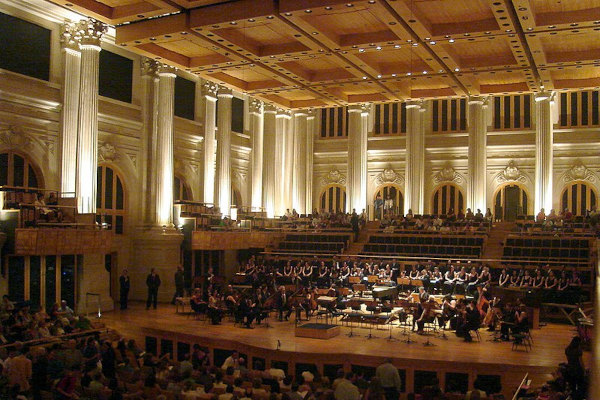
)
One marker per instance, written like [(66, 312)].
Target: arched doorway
[(578, 197), (18, 171), (333, 199), (510, 200), (110, 199), (181, 190), (446, 197), (394, 193)]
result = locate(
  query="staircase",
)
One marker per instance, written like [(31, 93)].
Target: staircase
[(356, 246), (495, 242)]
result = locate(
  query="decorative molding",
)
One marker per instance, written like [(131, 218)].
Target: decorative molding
[(91, 31), (107, 152), (388, 176), (448, 174), (579, 172), (210, 89), (132, 158), (149, 66), (256, 106), (511, 174), (70, 35), (15, 138), (333, 177)]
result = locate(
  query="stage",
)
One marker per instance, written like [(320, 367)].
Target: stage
[(278, 343)]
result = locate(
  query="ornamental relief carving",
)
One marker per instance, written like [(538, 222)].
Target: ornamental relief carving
[(388, 175), (448, 174), (333, 177), (107, 152), (511, 174), (14, 137), (579, 172)]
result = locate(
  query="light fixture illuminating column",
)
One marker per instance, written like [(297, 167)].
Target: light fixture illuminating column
[(70, 37), (209, 94), (414, 179), (256, 126), (544, 137), (223, 170), (477, 162), (87, 139), (164, 146), (269, 160)]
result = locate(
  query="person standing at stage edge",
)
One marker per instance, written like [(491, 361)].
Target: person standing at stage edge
[(153, 283), (390, 379), (179, 283), (124, 286)]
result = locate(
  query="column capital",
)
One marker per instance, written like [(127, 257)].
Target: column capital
[(91, 32), (482, 100), (149, 66), (311, 114), (224, 92), (283, 113), (300, 113), (166, 70), (256, 106), (414, 104), (355, 108), (269, 109), (70, 35), (210, 89), (543, 96), (365, 109)]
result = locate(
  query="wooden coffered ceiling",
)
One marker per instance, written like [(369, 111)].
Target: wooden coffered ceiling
[(318, 53)]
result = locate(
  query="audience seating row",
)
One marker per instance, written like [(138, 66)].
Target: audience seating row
[(428, 240), (555, 243), (422, 250), (321, 247), (545, 252), (316, 238)]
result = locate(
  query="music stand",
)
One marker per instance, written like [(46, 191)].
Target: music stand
[(390, 322)]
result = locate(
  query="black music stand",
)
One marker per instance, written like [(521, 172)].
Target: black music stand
[(370, 336), (390, 323)]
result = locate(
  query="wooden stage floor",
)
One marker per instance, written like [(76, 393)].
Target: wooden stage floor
[(548, 349)]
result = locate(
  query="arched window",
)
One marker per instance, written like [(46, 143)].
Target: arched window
[(578, 197), (180, 189), (110, 199), (17, 170), (393, 191), (510, 200), (446, 197), (333, 199)]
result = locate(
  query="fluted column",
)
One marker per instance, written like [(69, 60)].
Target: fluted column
[(299, 168), (70, 37), (269, 151), (283, 161), (149, 110), (87, 126), (310, 137), (414, 179), (209, 94), (477, 162), (544, 137), (357, 159), (164, 146), (256, 127), (223, 169)]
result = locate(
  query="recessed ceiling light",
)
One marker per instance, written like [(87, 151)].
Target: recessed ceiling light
[(456, 69), (233, 23), (349, 5), (408, 73), (378, 48), (379, 76), (451, 41), (427, 38), (393, 75), (432, 42), (415, 44), (424, 72), (508, 30), (397, 46), (364, 77), (308, 11), (328, 8), (361, 50), (270, 17)]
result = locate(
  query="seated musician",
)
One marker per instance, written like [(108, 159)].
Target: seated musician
[(344, 273), (282, 304), (356, 270), (196, 302), (249, 312), (472, 280), (436, 278), (213, 311), (515, 280), (538, 280), (448, 310), (462, 279), (427, 314), (526, 280), (517, 323), (503, 278), (471, 322)]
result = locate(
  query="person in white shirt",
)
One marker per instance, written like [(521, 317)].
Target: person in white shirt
[(390, 379), (345, 389), (231, 361)]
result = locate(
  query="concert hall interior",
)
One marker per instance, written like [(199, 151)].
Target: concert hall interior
[(299, 199)]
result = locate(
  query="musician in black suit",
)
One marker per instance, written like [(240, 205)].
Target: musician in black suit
[(124, 286), (282, 302), (249, 312), (153, 283), (472, 321)]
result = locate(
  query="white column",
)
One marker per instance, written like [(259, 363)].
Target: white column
[(414, 179), (223, 169), (164, 146), (357, 158), (256, 132), (269, 160), (299, 169), (544, 136), (477, 162), (87, 126), (310, 137), (69, 38), (209, 94), (283, 162), (149, 110)]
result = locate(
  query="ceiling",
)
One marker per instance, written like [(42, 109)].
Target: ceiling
[(321, 53)]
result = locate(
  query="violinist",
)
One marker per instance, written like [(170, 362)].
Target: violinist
[(471, 322), (249, 312), (517, 321), (282, 304), (427, 314), (448, 310)]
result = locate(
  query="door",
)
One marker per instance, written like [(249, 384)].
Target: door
[(511, 203)]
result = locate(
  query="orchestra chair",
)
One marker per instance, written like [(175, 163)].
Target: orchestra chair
[(519, 339)]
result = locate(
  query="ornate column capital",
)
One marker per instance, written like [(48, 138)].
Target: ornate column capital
[(354, 108), (269, 109), (414, 104), (149, 67), (482, 100), (70, 35), (543, 96), (166, 70), (91, 32), (224, 92), (210, 90), (283, 113), (311, 114), (256, 106)]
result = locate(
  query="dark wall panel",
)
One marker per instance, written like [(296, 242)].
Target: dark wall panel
[(185, 98), (237, 115), (115, 78), (24, 47)]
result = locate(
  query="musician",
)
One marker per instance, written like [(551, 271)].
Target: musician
[(526, 280), (249, 312), (196, 302), (503, 278), (472, 321), (462, 278), (414, 272), (450, 279), (472, 280), (538, 280), (427, 314), (436, 278), (356, 270), (448, 310), (282, 304), (213, 311), (519, 322), (515, 280), (344, 273)]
